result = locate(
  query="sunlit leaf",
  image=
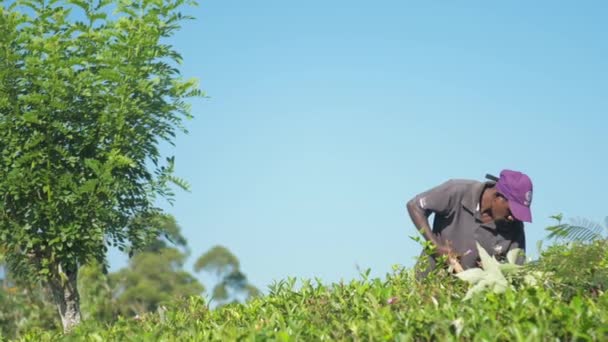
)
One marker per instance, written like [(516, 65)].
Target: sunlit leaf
[(472, 275), (513, 254)]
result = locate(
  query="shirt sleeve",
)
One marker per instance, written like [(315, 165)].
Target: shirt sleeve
[(441, 199)]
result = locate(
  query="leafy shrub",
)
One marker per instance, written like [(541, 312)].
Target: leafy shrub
[(576, 268), (398, 307)]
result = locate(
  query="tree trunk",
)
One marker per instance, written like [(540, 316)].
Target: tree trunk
[(65, 293)]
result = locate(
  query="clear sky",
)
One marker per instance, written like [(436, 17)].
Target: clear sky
[(325, 117)]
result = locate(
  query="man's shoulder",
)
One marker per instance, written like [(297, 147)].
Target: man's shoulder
[(462, 184), (456, 188), (465, 191)]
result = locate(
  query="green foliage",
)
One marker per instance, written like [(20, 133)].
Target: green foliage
[(575, 268), (394, 308), (96, 294), (231, 281), (218, 259), (83, 108), (579, 262), (170, 234), (24, 308), (491, 275), (152, 278), (578, 230)]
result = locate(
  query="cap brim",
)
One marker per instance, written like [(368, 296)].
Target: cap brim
[(520, 212)]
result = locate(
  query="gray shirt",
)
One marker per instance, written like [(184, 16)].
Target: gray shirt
[(457, 222)]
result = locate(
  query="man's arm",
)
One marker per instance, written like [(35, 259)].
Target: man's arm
[(439, 200), (421, 222)]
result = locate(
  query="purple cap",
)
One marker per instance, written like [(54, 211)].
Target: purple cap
[(517, 188)]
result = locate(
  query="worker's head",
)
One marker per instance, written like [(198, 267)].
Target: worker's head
[(513, 197)]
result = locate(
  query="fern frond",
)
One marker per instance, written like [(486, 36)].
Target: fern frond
[(580, 230)]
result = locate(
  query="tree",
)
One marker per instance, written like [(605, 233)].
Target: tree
[(155, 275), (151, 279), (169, 235), (230, 282), (84, 104)]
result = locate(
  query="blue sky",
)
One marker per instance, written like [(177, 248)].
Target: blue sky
[(325, 117)]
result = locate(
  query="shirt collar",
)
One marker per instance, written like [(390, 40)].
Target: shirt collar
[(471, 200)]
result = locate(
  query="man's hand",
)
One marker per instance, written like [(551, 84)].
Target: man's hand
[(456, 266), (420, 220), (451, 256), (442, 250)]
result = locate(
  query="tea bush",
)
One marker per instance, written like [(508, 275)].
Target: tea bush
[(569, 303), (576, 268)]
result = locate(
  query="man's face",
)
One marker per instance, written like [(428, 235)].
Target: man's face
[(500, 208)]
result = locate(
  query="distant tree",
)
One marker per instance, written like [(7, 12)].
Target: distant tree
[(151, 279), (96, 294), (154, 275), (170, 235), (230, 282), (85, 101), (23, 306)]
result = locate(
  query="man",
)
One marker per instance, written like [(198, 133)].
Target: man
[(467, 211)]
